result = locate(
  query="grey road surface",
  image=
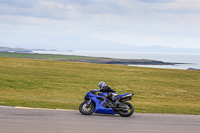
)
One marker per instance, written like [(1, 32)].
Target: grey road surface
[(55, 121)]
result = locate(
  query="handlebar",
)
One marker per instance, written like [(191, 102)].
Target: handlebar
[(94, 90)]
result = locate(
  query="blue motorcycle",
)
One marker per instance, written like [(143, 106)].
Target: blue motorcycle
[(106, 103)]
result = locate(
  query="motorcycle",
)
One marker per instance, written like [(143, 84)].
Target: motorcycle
[(102, 103)]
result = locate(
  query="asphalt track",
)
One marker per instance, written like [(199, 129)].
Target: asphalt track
[(15, 120)]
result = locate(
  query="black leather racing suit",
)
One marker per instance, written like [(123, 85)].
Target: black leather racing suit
[(110, 91), (107, 89)]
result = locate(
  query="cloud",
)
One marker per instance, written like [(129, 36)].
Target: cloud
[(38, 8), (65, 9), (121, 21), (156, 1), (178, 7), (18, 3)]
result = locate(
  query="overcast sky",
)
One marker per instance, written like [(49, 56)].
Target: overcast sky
[(60, 23)]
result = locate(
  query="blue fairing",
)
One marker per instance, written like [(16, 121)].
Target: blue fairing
[(87, 95), (99, 101)]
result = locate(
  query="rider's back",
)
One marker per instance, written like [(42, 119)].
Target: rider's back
[(107, 89)]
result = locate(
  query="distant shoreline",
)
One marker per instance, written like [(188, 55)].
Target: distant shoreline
[(87, 59)]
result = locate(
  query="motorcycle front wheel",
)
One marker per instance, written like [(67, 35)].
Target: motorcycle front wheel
[(86, 110), (127, 111)]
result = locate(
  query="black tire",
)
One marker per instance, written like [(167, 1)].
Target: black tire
[(86, 111), (128, 112)]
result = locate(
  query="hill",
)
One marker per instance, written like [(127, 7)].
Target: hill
[(62, 84), (20, 50), (99, 45)]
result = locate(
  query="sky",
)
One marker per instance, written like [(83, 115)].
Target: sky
[(60, 24)]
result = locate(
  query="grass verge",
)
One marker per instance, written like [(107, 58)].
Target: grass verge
[(58, 84)]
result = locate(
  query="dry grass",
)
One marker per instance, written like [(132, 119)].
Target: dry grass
[(58, 84)]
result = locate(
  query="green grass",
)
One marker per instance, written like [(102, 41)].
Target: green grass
[(74, 58), (46, 56), (63, 85)]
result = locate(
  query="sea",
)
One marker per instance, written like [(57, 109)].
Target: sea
[(191, 60)]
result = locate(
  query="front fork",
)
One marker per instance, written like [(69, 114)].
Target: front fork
[(88, 103)]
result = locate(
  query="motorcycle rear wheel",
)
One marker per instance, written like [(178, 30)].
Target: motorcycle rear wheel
[(86, 110), (129, 111)]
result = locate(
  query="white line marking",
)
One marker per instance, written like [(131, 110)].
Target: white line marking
[(6, 107), (20, 107)]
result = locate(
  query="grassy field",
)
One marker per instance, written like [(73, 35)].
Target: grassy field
[(48, 56), (62, 84), (87, 59)]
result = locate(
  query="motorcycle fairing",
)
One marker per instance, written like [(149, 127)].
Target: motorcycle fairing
[(99, 101), (103, 94)]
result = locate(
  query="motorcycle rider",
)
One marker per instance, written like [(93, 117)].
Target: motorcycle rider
[(111, 93)]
